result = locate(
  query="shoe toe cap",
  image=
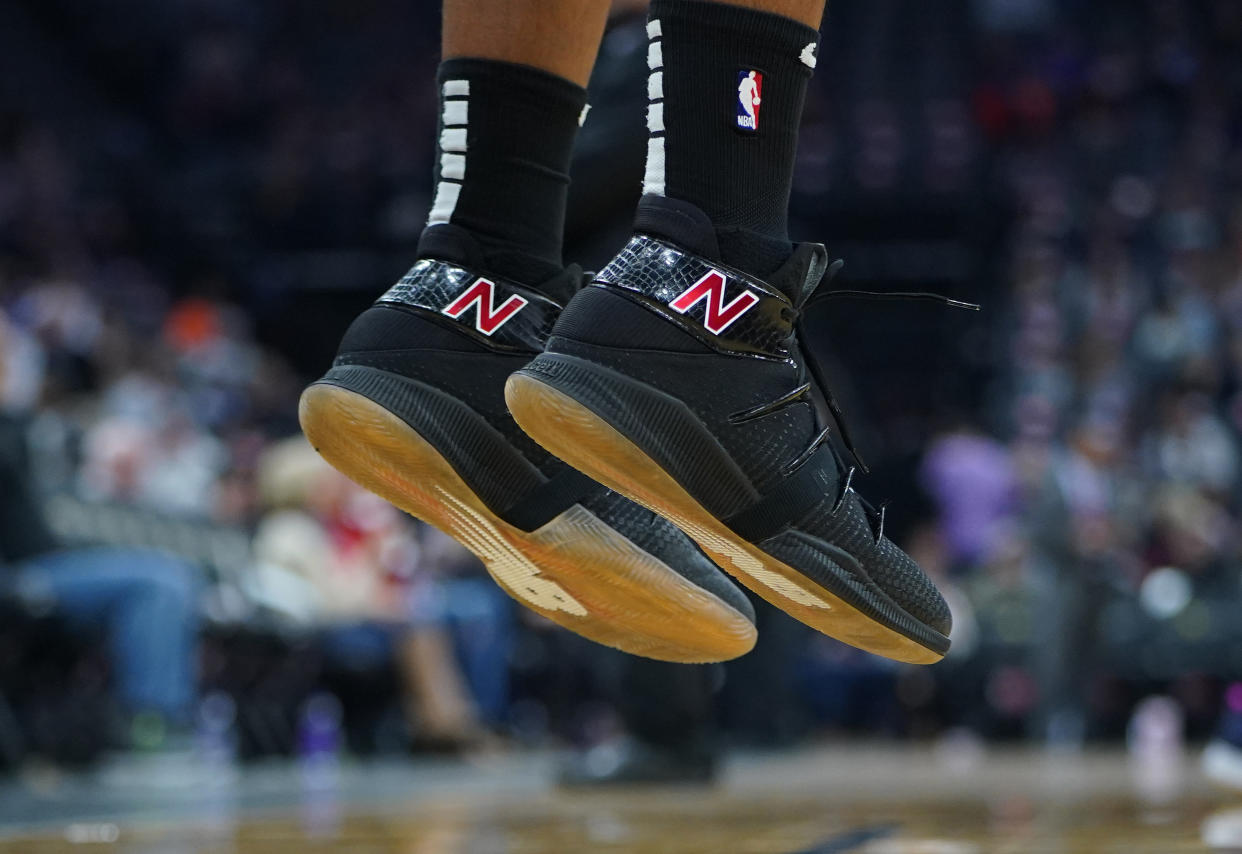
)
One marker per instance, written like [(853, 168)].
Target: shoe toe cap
[(905, 581)]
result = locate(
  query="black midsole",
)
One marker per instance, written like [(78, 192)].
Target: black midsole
[(504, 480)]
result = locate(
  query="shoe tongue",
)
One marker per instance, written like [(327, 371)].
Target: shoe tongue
[(802, 273), (563, 285), (447, 242), (687, 226)]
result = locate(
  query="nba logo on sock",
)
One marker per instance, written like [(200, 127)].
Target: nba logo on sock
[(749, 89)]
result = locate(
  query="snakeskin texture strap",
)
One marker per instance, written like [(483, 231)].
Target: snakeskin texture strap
[(498, 313), (727, 310)]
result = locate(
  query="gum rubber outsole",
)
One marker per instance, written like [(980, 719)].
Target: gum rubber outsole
[(575, 570), (590, 444)]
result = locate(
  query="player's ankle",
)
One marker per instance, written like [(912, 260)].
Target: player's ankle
[(505, 141), (726, 90), (487, 257)]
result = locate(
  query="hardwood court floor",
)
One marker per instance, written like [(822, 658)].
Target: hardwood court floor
[(868, 800)]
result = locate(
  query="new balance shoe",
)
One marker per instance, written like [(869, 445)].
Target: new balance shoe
[(413, 409), (682, 383)]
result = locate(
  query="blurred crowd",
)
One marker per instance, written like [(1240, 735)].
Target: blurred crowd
[(194, 198), (1091, 504)]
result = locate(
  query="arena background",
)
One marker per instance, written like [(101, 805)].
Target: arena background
[(196, 196)]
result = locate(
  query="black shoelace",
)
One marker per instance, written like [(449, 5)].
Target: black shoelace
[(875, 516)]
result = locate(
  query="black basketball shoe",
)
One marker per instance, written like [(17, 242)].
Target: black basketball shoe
[(681, 383), (413, 409)]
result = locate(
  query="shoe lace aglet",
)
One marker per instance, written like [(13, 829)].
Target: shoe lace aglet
[(957, 303)]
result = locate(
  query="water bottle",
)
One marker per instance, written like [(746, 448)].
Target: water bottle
[(319, 740), (319, 753), (1157, 749), (215, 739)]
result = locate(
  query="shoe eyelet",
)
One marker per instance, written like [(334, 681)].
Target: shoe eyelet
[(849, 477)]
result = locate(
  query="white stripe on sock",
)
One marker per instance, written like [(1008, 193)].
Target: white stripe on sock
[(453, 120), (655, 117), (452, 166), (453, 139), (455, 113), (446, 202), (655, 86), (653, 181)]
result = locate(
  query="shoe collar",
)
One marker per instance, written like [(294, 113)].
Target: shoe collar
[(687, 227), (455, 245)]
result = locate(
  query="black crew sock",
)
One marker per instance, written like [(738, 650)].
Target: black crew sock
[(705, 147), (502, 170)]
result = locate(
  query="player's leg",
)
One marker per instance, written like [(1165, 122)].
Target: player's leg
[(413, 407), (725, 110), (512, 87), (679, 380), (558, 36), (809, 12)]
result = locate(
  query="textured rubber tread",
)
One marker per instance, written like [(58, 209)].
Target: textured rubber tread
[(587, 441), (575, 570)]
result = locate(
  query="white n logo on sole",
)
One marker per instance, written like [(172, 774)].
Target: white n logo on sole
[(509, 565)]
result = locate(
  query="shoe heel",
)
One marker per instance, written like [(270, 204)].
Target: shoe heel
[(373, 447), (575, 570)]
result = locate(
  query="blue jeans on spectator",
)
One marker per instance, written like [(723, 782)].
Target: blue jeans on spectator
[(476, 614), (146, 601), (480, 617)]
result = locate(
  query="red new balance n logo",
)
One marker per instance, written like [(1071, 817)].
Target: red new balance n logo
[(718, 316), (482, 295)]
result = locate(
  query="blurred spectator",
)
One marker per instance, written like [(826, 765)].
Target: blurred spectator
[(337, 558), (146, 601), (191, 209)]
